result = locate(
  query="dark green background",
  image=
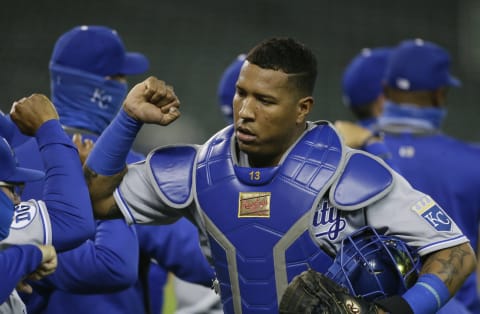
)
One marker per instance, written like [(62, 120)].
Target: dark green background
[(189, 43)]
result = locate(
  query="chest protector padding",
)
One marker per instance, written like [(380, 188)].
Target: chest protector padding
[(258, 219)]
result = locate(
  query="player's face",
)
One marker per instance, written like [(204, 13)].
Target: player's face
[(268, 114)]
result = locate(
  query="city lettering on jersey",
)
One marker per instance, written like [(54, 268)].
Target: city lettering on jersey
[(254, 204), (23, 215), (433, 214), (328, 217)]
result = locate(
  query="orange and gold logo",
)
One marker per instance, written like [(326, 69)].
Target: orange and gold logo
[(254, 204)]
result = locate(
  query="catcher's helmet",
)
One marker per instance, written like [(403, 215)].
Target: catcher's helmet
[(374, 266)]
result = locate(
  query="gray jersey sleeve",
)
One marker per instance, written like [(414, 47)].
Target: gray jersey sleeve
[(138, 200), (404, 212), (415, 218), (13, 305), (30, 225)]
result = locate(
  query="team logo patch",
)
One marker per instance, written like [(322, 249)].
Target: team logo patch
[(254, 204), (24, 214), (433, 214)]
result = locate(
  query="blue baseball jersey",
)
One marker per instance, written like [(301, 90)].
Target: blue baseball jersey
[(61, 213), (112, 266), (17, 261), (99, 265), (111, 257), (447, 169)]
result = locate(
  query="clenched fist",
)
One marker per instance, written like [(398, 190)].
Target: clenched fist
[(152, 101), (29, 113)]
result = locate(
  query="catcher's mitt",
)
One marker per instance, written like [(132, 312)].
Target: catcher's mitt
[(313, 293)]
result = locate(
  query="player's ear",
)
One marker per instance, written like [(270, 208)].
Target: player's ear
[(304, 106)]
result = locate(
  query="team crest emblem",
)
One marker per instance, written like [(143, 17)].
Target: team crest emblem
[(433, 214), (254, 204)]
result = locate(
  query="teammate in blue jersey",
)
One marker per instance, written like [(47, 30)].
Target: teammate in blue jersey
[(274, 193), (60, 216), (55, 218), (88, 69), (18, 261), (362, 87), (418, 80)]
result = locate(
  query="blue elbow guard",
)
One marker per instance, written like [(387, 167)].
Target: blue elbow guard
[(109, 153)]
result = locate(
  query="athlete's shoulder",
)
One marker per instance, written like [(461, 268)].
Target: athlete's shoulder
[(134, 156), (171, 168), (364, 179)]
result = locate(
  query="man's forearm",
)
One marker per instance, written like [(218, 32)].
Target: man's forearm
[(101, 192), (452, 265)]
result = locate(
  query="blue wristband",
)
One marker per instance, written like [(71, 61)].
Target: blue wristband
[(428, 294), (109, 153)]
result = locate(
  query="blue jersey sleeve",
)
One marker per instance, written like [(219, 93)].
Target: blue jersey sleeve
[(17, 261), (65, 191), (107, 264), (176, 248), (11, 132), (381, 150)]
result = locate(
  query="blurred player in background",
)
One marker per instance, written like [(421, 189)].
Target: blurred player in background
[(362, 85), (417, 81), (362, 88)]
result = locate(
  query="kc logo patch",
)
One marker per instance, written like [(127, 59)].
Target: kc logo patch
[(254, 204), (433, 214)]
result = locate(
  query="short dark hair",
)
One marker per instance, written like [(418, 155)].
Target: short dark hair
[(289, 56)]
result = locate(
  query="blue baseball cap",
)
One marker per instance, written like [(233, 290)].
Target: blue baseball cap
[(419, 65), (98, 50), (9, 171), (362, 80), (227, 86)]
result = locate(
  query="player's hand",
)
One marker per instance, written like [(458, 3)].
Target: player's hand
[(152, 101), (353, 134), (47, 266), (84, 146), (29, 113)]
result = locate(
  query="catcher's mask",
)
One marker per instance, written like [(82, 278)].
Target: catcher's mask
[(374, 266)]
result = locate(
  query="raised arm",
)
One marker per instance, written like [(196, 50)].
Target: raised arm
[(65, 192), (151, 101)]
